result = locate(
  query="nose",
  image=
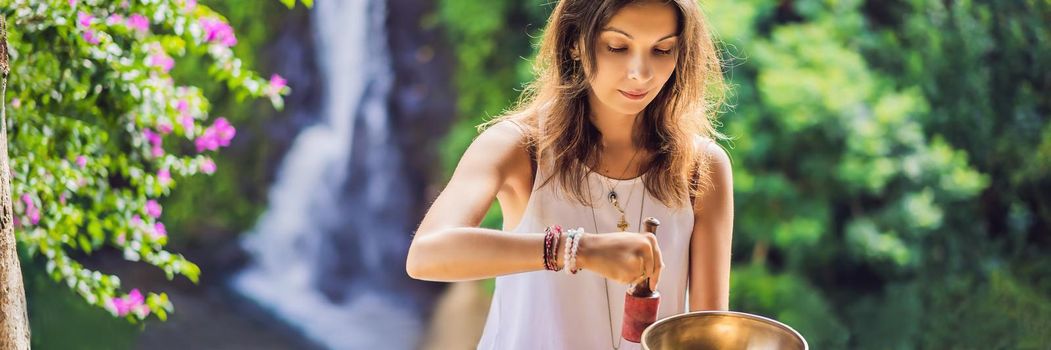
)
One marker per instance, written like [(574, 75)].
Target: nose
[(640, 68)]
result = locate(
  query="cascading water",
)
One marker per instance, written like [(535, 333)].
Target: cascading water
[(327, 256)]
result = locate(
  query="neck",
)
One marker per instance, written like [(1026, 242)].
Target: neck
[(619, 131)]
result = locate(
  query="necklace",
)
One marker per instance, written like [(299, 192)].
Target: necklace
[(605, 282), (622, 224)]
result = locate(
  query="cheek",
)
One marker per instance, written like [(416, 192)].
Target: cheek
[(664, 69), (608, 72)]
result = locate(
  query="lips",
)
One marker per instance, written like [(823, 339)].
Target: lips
[(634, 94)]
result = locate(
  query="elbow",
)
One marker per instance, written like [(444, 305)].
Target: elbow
[(412, 266), (416, 262), (415, 272), (425, 258)]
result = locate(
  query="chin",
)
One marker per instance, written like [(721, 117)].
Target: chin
[(632, 110), (629, 107)]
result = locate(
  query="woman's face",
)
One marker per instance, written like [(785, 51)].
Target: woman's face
[(635, 55)]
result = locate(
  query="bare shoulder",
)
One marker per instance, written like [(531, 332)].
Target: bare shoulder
[(501, 147), (718, 187), (719, 159)]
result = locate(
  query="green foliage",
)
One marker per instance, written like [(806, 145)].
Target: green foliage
[(292, 3), (791, 300), (59, 319), (211, 208), (100, 131)]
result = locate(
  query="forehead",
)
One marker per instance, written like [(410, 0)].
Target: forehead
[(645, 19)]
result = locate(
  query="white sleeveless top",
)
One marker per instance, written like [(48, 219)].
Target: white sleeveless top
[(554, 310)]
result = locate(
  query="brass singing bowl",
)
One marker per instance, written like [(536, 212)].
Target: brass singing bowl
[(724, 330)]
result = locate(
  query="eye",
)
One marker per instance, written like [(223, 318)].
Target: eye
[(660, 52), (616, 49)]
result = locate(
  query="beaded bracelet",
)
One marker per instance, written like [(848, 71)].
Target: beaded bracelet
[(570, 235), (572, 244), (553, 234), (548, 236), (554, 249), (576, 246)]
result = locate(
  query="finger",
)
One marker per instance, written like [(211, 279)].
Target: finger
[(639, 265), (637, 280), (658, 262), (647, 262)]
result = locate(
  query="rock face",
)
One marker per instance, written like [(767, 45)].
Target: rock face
[(330, 250)]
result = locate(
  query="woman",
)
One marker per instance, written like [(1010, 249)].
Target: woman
[(617, 127)]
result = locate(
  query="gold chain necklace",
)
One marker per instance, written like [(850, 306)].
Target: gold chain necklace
[(605, 282), (612, 196)]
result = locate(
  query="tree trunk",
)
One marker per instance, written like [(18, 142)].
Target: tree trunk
[(14, 321)]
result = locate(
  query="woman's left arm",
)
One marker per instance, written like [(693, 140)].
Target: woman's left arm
[(709, 275)]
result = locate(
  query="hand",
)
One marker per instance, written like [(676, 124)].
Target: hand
[(625, 257)]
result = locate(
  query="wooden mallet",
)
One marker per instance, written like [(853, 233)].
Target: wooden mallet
[(640, 302)]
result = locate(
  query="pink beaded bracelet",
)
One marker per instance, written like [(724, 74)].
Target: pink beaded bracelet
[(552, 237)]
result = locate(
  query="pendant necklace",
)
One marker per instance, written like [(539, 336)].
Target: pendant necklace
[(612, 196)]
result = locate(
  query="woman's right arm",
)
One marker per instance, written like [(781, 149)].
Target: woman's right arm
[(448, 245)]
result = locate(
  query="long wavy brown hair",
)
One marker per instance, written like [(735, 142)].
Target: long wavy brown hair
[(554, 110)]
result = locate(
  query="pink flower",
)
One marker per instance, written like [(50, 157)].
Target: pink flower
[(218, 31), (161, 59), (139, 22), (119, 306), (31, 210), (89, 36), (190, 4), (131, 302), (84, 19), (159, 230), (276, 84), (62, 199), (153, 208), (182, 106), (215, 136), (187, 123), (164, 177), (208, 166), (72, 2), (135, 298), (164, 127), (207, 141), (120, 238), (82, 161), (224, 131), (152, 137), (114, 19), (156, 151), (15, 102)]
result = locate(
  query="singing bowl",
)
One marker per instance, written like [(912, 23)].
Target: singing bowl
[(724, 330)]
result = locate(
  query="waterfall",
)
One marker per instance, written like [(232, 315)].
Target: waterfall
[(327, 256)]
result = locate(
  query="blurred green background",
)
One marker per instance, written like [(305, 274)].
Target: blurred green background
[(892, 163)]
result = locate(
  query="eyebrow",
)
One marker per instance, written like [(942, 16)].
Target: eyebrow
[(613, 29)]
